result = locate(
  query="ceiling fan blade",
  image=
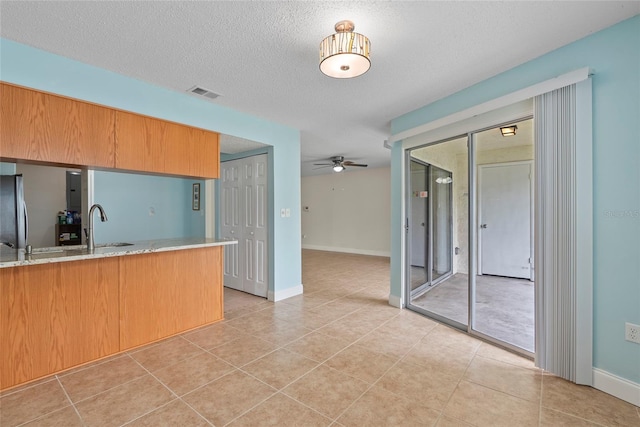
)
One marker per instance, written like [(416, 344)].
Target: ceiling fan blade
[(323, 164), (348, 163)]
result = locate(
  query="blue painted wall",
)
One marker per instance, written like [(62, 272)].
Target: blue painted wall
[(26, 66), (145, 207), (7, 168), (614, 56)]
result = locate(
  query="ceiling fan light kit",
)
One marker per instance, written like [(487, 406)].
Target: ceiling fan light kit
[(345, 54), (338, 163)]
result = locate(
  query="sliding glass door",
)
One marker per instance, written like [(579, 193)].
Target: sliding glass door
[(430, 231), (502, 286), (469, 234)]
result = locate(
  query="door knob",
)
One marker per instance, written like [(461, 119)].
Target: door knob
[(483, 226)]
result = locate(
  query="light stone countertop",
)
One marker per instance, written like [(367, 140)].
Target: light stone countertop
[(17, 257)]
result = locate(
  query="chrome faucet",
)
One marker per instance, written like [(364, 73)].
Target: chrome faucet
[(89, 231)]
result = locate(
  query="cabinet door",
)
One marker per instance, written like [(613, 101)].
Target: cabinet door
[(165, 293), (55, 316), (154, 145), (43, 127), (205, 149)]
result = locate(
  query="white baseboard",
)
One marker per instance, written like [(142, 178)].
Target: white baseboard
[(285, 293), (616, 386), (347, 250), (395, 301)]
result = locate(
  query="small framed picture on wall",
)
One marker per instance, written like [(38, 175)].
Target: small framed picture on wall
[(196, 197)]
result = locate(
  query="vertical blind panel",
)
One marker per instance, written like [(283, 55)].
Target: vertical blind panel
[(555, 250)]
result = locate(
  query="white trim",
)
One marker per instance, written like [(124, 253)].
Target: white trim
[(275, 296), (584, 225), (210, 208), (503, 101), (386, 254), (395, 301), (616, 386)]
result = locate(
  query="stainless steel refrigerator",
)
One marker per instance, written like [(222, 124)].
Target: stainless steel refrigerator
[(13, 212)]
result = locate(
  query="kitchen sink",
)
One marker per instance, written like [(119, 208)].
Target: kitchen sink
[(51, 250), (113, 245)]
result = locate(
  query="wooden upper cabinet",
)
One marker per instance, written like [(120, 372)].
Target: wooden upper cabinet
[(42, 127), (48, 128), (154, 145)]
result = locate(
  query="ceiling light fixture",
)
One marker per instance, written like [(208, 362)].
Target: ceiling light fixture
[(345, 54), (337, 167), (508, 130)]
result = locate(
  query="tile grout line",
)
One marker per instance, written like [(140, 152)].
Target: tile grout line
[(540, 403), (20, 388), (158, 379), (562, 412), (379, 378), (114, 387), (70, 401), (475, 353)]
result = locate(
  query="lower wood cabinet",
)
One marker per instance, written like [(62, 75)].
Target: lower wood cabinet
[(55, 316), (190, 295), (59, 315)]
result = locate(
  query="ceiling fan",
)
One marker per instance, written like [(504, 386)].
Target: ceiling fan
[(339, 164)]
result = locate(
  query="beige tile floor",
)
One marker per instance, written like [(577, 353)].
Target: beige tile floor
[(338, 355)]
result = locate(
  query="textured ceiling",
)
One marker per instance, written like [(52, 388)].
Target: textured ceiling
[(262, 57)]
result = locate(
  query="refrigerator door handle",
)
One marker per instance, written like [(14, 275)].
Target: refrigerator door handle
[(26, 223)]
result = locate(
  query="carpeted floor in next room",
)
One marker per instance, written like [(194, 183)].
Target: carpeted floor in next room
[(338, 355)]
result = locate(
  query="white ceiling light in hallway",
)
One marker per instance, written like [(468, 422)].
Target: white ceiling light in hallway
[(345, 54)]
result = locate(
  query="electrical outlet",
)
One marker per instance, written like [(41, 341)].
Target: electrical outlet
[(632, 332)]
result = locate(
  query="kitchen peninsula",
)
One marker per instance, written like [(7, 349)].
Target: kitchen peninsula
[(61, 308)]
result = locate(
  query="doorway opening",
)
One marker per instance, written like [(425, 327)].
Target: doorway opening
[(486, 239), (244, 208)]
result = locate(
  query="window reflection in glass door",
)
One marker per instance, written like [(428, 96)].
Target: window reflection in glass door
[(437, 177)]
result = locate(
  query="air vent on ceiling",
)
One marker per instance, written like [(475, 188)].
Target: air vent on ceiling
[(198, 90)]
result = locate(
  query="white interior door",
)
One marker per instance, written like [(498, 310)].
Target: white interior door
[(504, 210), (244, 216), (230, 222), (254, 184)]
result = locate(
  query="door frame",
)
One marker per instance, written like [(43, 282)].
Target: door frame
[(472, 236), (511, 106), (268, 150), (531, 210), (407, 293)]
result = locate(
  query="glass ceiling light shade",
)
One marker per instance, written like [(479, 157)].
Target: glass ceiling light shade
[(338, 167), (345, 54)]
